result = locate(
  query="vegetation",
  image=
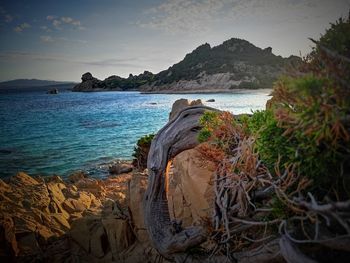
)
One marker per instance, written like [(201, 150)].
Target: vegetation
[(285, 171), (141, 151), (236, 56), (247, 64), (130, 83)]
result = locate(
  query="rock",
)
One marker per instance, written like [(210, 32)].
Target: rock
[(211, 100), (91, 185), (119, 233), (89, 83), (28, 244), (75, 177), (190, 187), (97, 236), (8, 235), (99, 244), (52, 91), (180, 104), (55, 191), (80, 231), (22, 179), (86, 76), (120, 168), (61, 220), (51, 219), (71, 205), (137, 188)]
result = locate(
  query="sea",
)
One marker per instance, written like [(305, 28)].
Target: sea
[(44, 134)]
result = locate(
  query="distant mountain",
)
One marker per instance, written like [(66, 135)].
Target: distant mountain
[(235, 64), (23, 83)]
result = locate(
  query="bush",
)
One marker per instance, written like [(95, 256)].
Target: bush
[(141, 151)]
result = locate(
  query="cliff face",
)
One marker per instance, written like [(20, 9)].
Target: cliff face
[(235, 64)]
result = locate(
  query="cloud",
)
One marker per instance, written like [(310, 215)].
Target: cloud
[(58, 22), (46, 39), (203, 16), (67, 20), (50, 39), (50, 17), (46, 29), (184, 15), (21, 27)]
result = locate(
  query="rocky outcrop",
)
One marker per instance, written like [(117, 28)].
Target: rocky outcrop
[(181, 104), (85, 218), (88, 83), (113, 83), (52, 91)]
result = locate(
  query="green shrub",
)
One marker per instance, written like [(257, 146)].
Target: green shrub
[(141, 151), (270, 142), (209, 121)]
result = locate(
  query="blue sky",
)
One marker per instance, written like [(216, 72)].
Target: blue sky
[(61, 40)]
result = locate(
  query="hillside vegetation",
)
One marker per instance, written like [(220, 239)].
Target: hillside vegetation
[(236, 63), (284, 172)]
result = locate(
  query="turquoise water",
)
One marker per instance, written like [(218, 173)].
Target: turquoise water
[(58, 134)]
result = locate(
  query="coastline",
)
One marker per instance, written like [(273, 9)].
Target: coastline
[(210, 91), (201, 91)]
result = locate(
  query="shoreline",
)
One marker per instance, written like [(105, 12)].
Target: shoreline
[(204, 91), (213, 91)]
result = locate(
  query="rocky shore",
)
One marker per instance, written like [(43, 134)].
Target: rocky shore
[(82, 219)]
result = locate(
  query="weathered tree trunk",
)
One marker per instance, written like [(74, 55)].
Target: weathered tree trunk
[(176, 136)]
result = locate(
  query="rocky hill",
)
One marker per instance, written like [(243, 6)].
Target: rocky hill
[(235, 64), (116, 83)]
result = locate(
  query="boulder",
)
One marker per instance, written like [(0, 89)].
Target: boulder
[(210, 100), (180, 104), (137, 188), (52, 91), (190, 187), (120, 168)]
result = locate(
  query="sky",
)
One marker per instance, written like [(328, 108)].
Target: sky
[(62, 39)]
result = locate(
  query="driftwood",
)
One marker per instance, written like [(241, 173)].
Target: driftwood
[(176, 136), (231, 224)]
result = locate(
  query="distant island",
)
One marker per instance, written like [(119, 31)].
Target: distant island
[(35, 85), (235, 64), (24, 83)]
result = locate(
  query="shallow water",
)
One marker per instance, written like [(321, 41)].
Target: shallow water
[(58, 134)]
